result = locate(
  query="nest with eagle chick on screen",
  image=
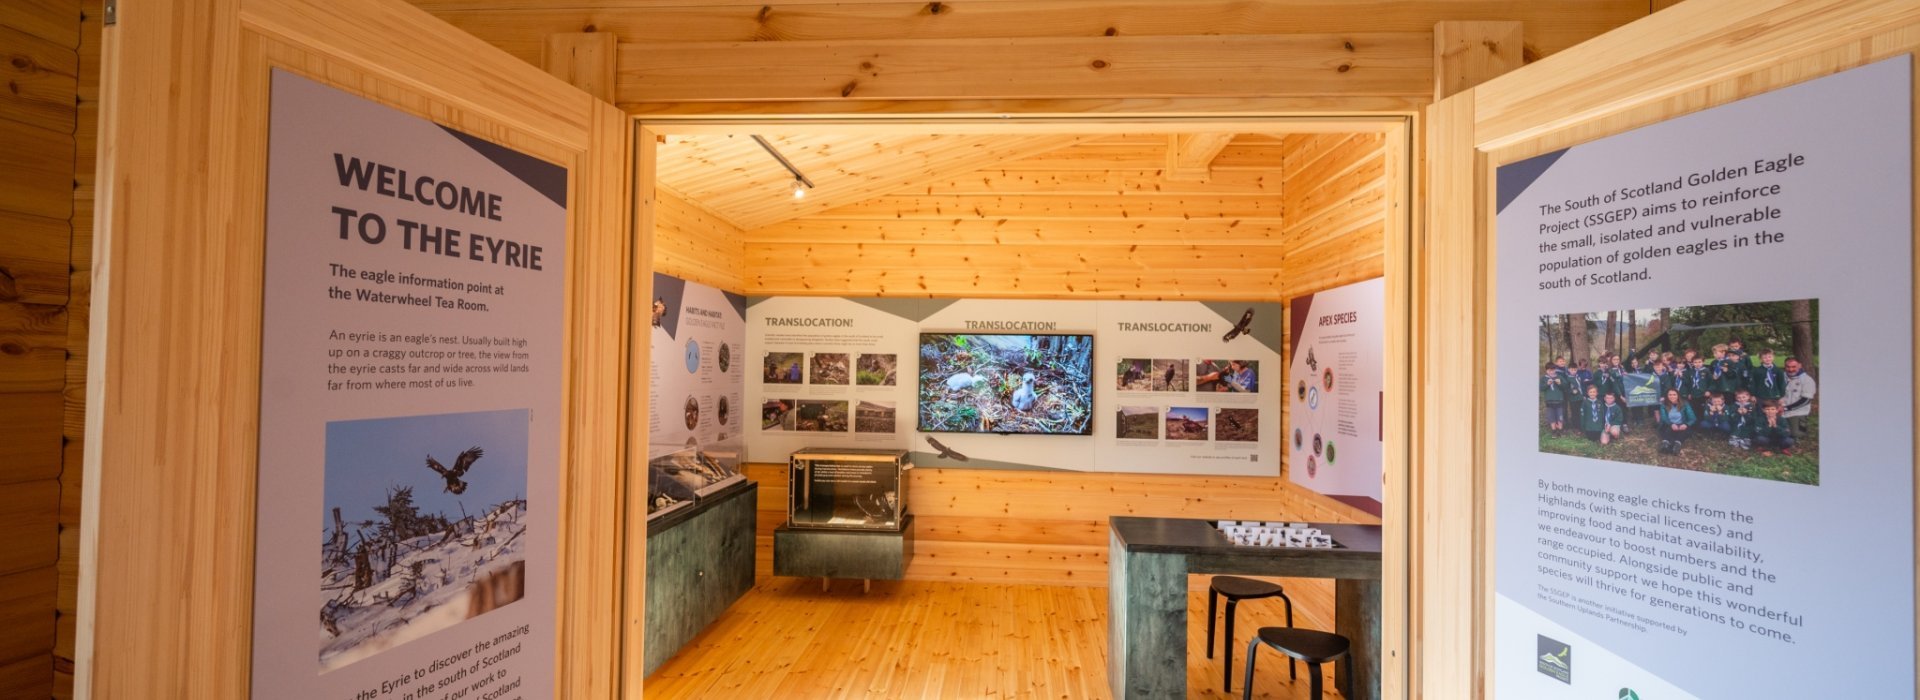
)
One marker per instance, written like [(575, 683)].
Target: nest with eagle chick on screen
[(986, 383)]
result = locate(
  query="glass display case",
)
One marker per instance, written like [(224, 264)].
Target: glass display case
[(849, 489), (681, 477)]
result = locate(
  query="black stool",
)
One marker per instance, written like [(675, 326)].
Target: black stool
[(1312, 646), (1237, 589)]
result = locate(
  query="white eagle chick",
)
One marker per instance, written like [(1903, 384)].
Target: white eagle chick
[(1023, 397)]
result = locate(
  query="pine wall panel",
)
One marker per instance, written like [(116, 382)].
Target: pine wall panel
[(41, 67)]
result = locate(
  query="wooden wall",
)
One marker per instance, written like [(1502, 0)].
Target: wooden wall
[(43, 293), (1279, 216), (711, 56), (693, 244)]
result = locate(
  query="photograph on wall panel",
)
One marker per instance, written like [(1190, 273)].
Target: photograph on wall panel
[(1721, 388)]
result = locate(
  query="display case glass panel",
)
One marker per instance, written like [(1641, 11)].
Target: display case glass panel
[(679, 478), (848, 489)]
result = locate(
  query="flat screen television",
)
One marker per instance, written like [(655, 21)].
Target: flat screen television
[(1005, 383)]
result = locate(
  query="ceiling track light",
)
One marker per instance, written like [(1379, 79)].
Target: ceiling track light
[(800, 182)]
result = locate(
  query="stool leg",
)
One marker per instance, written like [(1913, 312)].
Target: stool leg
[(1226, 646), (1313, 681), (1246, 685), (1291, 674), (1213, 611)]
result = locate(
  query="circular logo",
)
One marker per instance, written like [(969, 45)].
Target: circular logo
[(1301, 389), (1313, 467), (1326, 379), (1329, 453), (1628, 694), (722, 410), (693, 356), (1313, 397), (1296, 438), (726, 357), (1316, 443), (693, 412)]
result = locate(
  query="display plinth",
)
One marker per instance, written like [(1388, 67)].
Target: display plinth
[(861, 554), (699, 560)]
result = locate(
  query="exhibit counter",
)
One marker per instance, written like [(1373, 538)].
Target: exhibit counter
[(1148, 563)]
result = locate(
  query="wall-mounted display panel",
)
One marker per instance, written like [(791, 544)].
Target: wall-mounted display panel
[(1336, 357), (411, 406), (695, 392), (1126, 386), (1762, 508)]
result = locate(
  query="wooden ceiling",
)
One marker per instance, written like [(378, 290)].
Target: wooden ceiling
[(733, 178)]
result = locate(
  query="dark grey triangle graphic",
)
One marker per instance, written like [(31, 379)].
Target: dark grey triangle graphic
[(1515, 178), (544, 177)]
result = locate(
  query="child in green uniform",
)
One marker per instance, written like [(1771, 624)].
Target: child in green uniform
[(1696, 384), (1616, 419), (1553, 392), (1724, 375), (1767, 382), (1716, 418), (1741, 419), (1593, 416), (1771, 430)]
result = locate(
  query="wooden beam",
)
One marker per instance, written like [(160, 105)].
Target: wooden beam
[(1190, 156), (521, 26), (1387, 64), (1589, 81), (1466, 54), (585, 60)]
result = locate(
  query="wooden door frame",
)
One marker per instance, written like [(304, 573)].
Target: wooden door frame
[(167, 540), (1692, 56), (1403, 133)]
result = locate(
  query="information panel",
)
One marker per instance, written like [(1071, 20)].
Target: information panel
[(1336, 356), (1177, 387), (410, 408), (1704, 422)]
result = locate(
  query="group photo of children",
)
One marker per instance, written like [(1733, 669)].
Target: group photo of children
[(1727, 389)]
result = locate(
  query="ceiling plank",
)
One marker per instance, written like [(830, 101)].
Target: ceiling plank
[(733, 178)]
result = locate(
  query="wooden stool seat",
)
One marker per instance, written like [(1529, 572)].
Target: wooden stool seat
[(1236, 589), (1310, 646)]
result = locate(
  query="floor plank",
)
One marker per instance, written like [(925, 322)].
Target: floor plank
[(923, 639)]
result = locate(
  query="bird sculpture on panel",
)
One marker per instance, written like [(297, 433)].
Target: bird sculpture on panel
[(460, 466), (945, 452), (1023, 397), (1244, 327)]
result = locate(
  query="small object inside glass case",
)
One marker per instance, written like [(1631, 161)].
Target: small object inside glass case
[(681, 477), (848, 489)]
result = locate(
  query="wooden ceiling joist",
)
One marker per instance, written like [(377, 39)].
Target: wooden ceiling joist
[(1190, 156), (1278, 65)]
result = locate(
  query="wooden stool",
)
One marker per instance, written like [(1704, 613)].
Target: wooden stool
[(1312, 646), (1237, 589)]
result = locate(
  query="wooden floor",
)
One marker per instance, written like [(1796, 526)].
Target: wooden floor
[(920, 639)]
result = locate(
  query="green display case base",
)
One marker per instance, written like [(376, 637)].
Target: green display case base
[(829, 554), (698, 563)]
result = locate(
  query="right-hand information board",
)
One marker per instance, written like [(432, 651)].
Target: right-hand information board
[(1743, 527)]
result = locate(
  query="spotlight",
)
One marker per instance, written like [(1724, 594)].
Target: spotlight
[(799, 189)]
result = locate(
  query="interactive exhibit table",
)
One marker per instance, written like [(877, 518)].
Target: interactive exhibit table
[(1148, 563)]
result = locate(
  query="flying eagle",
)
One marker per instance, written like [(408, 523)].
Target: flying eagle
[(460, 466)]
